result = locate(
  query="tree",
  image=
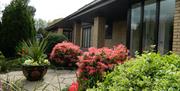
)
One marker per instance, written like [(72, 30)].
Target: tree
[(40, 26), (17, 25), (40, 23), (0, 26)]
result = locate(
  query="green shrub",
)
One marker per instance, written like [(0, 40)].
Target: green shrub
[(8, 65), (4, 66), (17, 25), (53, 39), (149, 72)]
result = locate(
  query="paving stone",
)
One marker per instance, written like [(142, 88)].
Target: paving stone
[(51, 79)]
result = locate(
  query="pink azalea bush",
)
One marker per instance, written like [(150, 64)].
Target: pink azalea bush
[(96, 62), (65, 54)]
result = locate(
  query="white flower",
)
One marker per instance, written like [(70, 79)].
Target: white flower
[(28, 62), (35, 64), (46, 61)]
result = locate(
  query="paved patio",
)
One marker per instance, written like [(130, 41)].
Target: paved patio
[(54, 79)]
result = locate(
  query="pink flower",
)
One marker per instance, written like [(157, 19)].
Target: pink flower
[(65, 53), (102, 65), (96, 62), (92, 71), (78, 72)]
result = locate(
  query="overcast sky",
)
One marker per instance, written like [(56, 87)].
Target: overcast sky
[(52, 9)]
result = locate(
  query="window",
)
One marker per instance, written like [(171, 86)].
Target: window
[(108, 31), (149, 24), (86, 36), (152, 20), (68, 34), (135, 28), (167, 10)]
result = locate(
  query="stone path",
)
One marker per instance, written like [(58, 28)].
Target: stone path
[(54, 80)]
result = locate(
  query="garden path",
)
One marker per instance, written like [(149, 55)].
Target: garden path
[(54, 79)]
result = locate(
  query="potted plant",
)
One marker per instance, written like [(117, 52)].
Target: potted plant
[(65, 55), (35, 63)]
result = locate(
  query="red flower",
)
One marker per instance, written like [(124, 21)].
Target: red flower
[(73, 87)]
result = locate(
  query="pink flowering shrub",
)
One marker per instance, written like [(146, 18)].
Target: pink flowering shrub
[(65, 54), (96, 62)]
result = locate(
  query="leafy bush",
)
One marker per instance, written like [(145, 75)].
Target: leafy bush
[(65, 54), (149, 72), (94, 63), (9, 65), (17, 25), (4, 66), (53, 39)]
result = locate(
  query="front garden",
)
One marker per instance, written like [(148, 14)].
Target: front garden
[(34, 61), (109, 69)]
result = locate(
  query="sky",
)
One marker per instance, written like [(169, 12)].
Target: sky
[(52, 9)]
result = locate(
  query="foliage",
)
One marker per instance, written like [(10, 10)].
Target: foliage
[(65, 54), (40, 23), (53, 39), (0, 26), (4, 66), (9, 65), (17, 25), (9, 85), (94, 63), (32, 52), (149, 72), (40, 26), (43, 32)]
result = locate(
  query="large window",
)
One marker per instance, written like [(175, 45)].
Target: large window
[(149, 24), (135, 28), (167, 10), (152, 24), (86, 36)]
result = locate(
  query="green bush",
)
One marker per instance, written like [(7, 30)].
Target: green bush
[(9, 65), (17, 25), (53, 39), (149, 72)]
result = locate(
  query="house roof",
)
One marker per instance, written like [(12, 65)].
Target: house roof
[(87, 12)]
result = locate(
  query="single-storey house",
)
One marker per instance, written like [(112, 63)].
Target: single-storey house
[(138, 24)]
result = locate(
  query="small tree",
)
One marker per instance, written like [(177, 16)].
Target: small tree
[(40, 26), (17, 25)]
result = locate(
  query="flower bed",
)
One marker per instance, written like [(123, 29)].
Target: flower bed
[(146, 72), (94, 64), (65, 54)]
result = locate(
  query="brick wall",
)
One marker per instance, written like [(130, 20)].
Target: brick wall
[(176, 33)]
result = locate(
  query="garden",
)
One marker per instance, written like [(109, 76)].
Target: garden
[(98, 69), (52, 63)]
